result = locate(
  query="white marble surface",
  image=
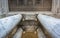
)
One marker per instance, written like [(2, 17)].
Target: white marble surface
[(51, 24), (8, 23)]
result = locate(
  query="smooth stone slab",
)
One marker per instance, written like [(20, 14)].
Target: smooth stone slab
[(51, 24), (8, 23)]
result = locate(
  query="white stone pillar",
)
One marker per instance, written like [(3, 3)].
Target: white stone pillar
[(0, 6), (58, 6), (1, 14), (5, 6), (55, 5)]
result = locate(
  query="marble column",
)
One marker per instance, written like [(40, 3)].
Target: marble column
[(55, 5), (0, 6), (5, 6)]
